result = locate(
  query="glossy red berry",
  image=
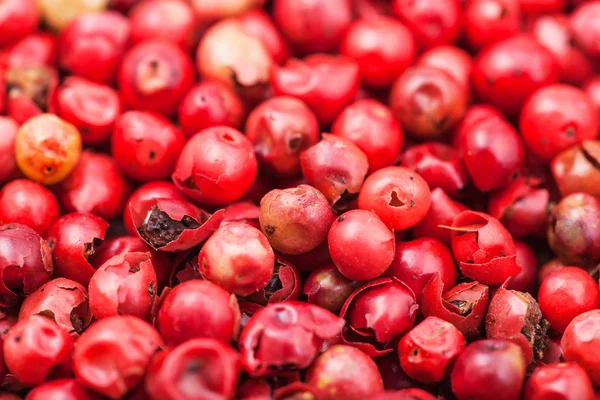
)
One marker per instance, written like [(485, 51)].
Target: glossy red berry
[(258, 23), (399, 196), (373, 128), (526, 279), (580, 343), (40, 48), (428, 351), (199, 175), (488, 21), (489, 366), (66, 389), (328, 288), (565, 294), (8, 161), (453, 60), (346, 372), (441, 213), (592, 89), (284, 284), (584, 25), (18, 19), (567, 381), (112, 355), (575, 169), (28, 203)]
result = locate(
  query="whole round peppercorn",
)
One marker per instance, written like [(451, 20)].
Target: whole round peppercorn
[(28, 203), (92, 45), (47, 148), (210, 104), (373, 128), (17, 19), (326, 287), (418, 260), (575, 169), (280, 129), (399, 196), (584, 26), (345, 372), (427, 101), (67, 389), (567, 381), (36, 349), (8, 161), (295, 220), (112, 355), (474, 115), (580, 343), (154, 76), (488, 21), (489, 366), (553, 265), (198, 309), (64, 301), (453, 60), (216, 167), (208, 366), (565, 294), (380, 61), (360, 245), (428, 351), (572, 232), (237, 257), (555, 118), (257, 22), (146, 145), (507, 72)]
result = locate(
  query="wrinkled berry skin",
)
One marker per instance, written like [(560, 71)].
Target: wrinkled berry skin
[(19, 18), (154, 76), (198, 309), (280, 129), (483, 248), (207, 366), (575, 169), (28, 203), (441, 212), (555, 118), (112, 355), (124, 285), (489, 366), (399, 196), (506, 73), (427, 101), (418, 260), (62, 300), (572, 230), (345, 372), (101, 37), (146, 145), (295, 220), (237, 257), (96, 186), (288, 334), (360, 245), (210, 104), (464, 305), (36, 349), (565, 294), (337, 168), (373, 128), (216, 166), (493, 153), (72, 239), (567, 381), (580, 343), (25, 260), (517, 317), (64, 389), (371, 324), (326, 287), (428, 351)]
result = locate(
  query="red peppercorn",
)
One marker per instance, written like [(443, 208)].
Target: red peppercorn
[(464, 306), (371, 325), (506, 73), (288, 334), (488, 21), (526, 279), (92, 45), (218, 9), (548, 268), (592, 89), (580, 343), (405, 394), (328, 288), (198, 368), (66, 389), (17, 19), (199, 175), (112, 355), (284, 284), (575, 169), (345, 372), (453, 60), (39, 48), (36, 349), (62, 300), (72, 239), (198, 309), (584, 27), (564, 380), (29, 91), (360, 245), (210, 104), (428, 351), (441, 213), (8, 162), (28, 203), (399, 196), (489, 366), (372, 127), (280, 129), (555, 118), (258, 23)]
